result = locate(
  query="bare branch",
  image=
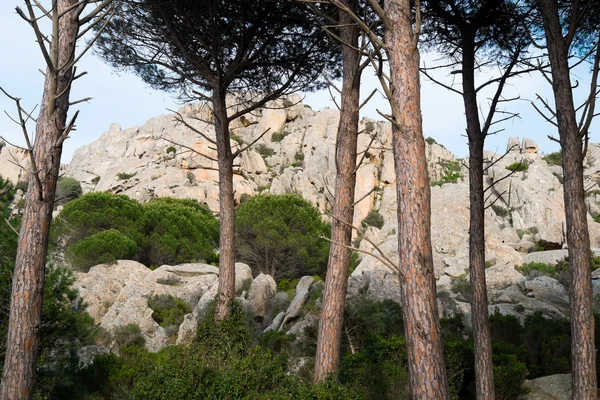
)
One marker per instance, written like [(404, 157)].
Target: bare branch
[(241, 150)]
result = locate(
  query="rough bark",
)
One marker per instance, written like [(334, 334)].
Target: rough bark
[(22, 342), (484, 372), (425, 356), (334, 295), (226, 293), (583, 352)]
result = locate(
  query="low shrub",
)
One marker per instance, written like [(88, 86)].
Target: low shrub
[(124, 176), (518, 166), (101, 248), (264, 150), (373, 219), (128, 335), (460, 285), (534, 269), (279, 136), (171, 150), (67, 189), (168, 310), (555, 158)]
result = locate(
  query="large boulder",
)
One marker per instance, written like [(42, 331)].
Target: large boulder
[(299, 300), (553, 387), (262, 288)]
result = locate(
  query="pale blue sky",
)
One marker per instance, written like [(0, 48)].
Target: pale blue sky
[(126, 100)]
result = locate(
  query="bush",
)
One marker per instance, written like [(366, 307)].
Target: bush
[(460, 285), (168, 310), (373, 219), (518, 166), (279, 136), (128, 335), (178, 231), (281, 236), (171, 150), (534, 269), (124, 176), (264, 150), (555, 158), (102, 248), (163, 231), (67, 189)]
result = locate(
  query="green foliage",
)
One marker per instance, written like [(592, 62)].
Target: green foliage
[(171, 150), (555, 158), (67, 189), (101, 227), (22, 185), (264, 150), (451, 172), (518, 166), (429, 140), (128, 335), (279, 136), (299, 156), (536, 269), (101, 248), (288, 286), (281, 236), (123, 175), (236, 138), (500, 211), (373, 219), (178, 231), (509, 374), (460, 285), (168, 310)]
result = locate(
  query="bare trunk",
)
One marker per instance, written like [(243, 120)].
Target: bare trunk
[(484, 372), (18, 377), (226, 295), (425, 356), (334, 295), (583, 352)]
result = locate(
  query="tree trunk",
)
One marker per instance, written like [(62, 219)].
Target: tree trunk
[(334, 295), (425, 355), (484, 372), (583, 352), (18, 377), (226, 295)]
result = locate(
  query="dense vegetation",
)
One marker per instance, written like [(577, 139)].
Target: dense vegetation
[(282, 236), (101, 227)]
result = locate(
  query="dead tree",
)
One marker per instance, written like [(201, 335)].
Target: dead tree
[(69, 25)]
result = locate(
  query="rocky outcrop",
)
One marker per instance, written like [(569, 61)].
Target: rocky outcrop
[(553, 387), (14, 163)]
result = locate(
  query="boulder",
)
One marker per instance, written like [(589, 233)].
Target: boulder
[(243, 276), (262, 288), (553, 387), (300, 298), (101, 285), (550, 257)]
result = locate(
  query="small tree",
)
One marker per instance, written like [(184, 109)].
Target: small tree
[(208, 49), (281, 236)]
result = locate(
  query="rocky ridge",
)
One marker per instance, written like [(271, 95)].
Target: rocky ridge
[(296, 155)]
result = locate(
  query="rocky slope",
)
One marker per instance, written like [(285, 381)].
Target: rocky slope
[(296, 155)]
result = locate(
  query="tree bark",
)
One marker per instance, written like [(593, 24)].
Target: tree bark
[(334, 295), (22, 343), (226, 295), (484, 372), (425, 356), (583, 352)]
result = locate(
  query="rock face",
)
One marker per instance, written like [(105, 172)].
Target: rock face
[(525, 214), (14, 163)]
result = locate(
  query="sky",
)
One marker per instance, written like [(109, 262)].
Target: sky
[(123, 98)]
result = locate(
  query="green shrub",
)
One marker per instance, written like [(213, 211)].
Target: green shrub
[(555, 158), (430, 140), (373, 219), (288, 286), (101, 248), (67, 189), (536, 269), (22, 185), (178, 231), (509, 375), (460, 285), (163, 230), (171, 150), (128, 335), (168, 311), (279, 136), (518, 166), (451, 172), (264, 150), (299, 156), (281, 236), (237, 139), (500, 211), (124, 176)]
